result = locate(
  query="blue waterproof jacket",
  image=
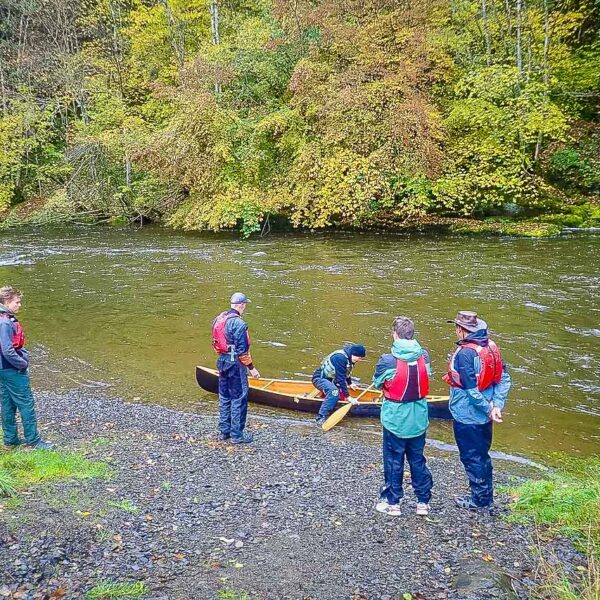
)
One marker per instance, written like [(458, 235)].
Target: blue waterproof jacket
[(10, 358), (236, 332), (467, 404)]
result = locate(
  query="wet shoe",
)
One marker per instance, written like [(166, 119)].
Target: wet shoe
[(422, 509), (320, 420), (467, 503), (222, 437), (388, 509), (41, 445), (246, 438)]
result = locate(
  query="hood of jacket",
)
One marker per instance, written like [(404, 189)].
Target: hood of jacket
[(407, 350), (480, 337)]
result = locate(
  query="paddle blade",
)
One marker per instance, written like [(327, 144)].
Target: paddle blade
[(336, 417)]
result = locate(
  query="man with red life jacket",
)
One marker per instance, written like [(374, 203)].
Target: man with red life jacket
[(231, 341), (333, 379), (479, 385), (403, 376), (15, 389)]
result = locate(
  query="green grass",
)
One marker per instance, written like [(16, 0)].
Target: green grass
[(126, 505), (7, 484), (567, 502), (107, 590), (229, 595), (20, 468)]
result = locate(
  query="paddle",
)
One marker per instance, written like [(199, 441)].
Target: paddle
[(335, 417)]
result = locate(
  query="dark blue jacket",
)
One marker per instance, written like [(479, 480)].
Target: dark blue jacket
[(10, 358), (342, 364)]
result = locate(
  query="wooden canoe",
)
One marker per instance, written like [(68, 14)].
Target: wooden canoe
[(301, 395)]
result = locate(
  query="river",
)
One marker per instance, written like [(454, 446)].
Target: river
[(130, 310)]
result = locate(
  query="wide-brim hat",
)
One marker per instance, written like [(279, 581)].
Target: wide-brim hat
[(468, 320)]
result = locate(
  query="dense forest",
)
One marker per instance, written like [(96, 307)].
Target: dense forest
[(214, 114)]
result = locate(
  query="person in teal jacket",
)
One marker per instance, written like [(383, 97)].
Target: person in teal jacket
[(15, 390), (403, 375)]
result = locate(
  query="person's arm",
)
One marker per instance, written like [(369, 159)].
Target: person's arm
[(385, 369), (501, 389), (340, 363), (7, 348), (427, 362), (241, 343), (465, 367)]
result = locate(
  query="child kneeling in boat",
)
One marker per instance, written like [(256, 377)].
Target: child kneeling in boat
[(333, 379), (404, 377)]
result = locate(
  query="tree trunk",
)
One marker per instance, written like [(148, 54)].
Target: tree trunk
[(486, 33), (546, 42), (519, 40), (177, 42), (216, 38)]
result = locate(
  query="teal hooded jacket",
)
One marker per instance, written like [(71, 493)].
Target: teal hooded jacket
[(404, 419)]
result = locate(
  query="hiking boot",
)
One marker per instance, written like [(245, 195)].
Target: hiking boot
[(388, 509), (422, 509), (41, 445), (467, 503), (245, 438), (222, 436)]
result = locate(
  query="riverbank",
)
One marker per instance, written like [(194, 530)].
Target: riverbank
[(288, 517), (586, 215)]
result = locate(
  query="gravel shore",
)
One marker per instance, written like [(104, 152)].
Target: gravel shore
[(288, 517)]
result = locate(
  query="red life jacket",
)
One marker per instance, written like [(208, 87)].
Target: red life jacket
[(491, 366), (219, 339), (410, 383), (18, 340)]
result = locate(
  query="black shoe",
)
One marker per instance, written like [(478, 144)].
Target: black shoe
[(246, 438), (41, 445), (467, 503), (13, 445), (222, 437), (320, 420)]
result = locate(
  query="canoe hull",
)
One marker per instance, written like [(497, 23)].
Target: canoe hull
[(208, 380)]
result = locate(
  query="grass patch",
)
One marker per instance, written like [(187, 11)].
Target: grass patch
[(126, 505), (567, 502), (230, 595), (107, 590), (21, 468), (8, 485)]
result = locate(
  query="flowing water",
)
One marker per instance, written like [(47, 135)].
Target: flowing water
[(131, 310)]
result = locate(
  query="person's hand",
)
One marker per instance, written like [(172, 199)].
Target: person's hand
[(353, 386), (254, 372), (352, 400), (496, 415)]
